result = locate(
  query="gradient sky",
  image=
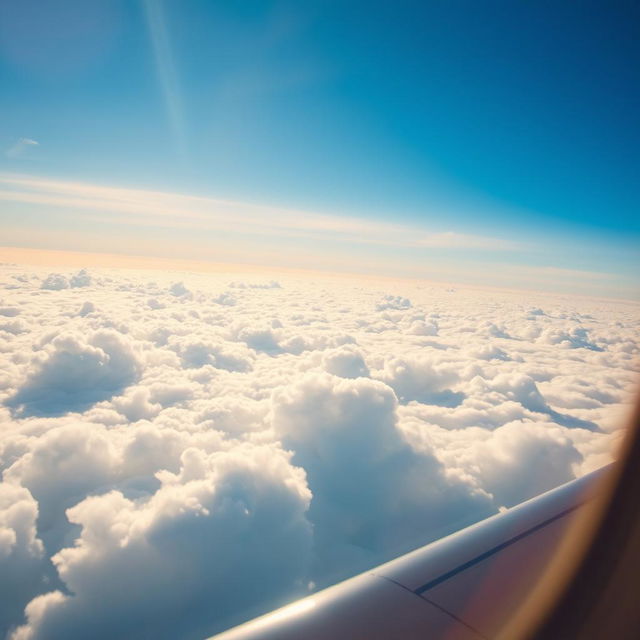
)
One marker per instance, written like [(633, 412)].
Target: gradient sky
[(459, 140)]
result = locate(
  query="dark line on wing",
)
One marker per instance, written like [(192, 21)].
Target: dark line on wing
[(436, 605), (487, 554)]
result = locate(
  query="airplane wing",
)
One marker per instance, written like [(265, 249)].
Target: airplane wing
[(462, 587)]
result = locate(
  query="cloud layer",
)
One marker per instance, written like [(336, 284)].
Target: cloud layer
[(180, 452)]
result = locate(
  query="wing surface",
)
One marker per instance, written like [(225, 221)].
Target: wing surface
[(462, 587)]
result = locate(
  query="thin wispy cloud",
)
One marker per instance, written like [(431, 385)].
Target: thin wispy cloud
[(452, 240), (141, 207), (20, 147)]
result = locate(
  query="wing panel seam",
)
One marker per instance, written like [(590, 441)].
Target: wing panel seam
[(487, 554), (436, 605)]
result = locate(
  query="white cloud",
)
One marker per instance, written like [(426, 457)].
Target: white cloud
[(21, 147), (393, 302), (195, 353), (21, 552), (86, 308), (179, 290), (55, 282), (421, 379), (522, 460), (374, 497), (574, 338), (185, 562), (172, 463), (80, 279), (9, 312), (424, 328), (346, 361), (70, 374), (136, 405)]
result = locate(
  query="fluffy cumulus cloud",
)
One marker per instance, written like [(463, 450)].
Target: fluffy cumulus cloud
[(74, 371), (55, 282), (201, 549), (346, 361), (180, 452), (21, 552), (374, 496)]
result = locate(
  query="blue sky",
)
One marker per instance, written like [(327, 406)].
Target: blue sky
[(506, 132)]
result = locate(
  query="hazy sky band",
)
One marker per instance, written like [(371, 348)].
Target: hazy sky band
[(85, 217), (463, 127)]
